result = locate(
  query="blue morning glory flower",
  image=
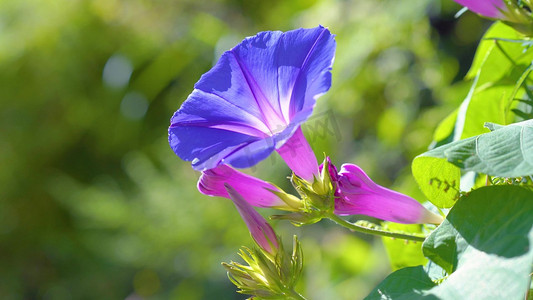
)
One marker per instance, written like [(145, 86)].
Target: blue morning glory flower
[(253, 101)]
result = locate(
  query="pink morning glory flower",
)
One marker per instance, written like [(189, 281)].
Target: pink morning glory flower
[(257, 192), (261, 231), (254, 100), (357, 194), (488, 8)]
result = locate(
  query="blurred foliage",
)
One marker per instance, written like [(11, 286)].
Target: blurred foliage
[(94, 204)]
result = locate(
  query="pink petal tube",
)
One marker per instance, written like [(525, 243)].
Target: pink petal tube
[(359, 195), (253, 189), (261, 231), (488, 8), (299, 156)]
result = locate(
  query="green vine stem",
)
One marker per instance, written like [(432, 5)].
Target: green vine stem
[(374, 231)]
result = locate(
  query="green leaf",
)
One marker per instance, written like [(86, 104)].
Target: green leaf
[(500, 68), (521, 114), (438, 179), (507, 151), (496, 30), (494, 90), (485, 243), (445, 130), (404, 253), (407, 283)]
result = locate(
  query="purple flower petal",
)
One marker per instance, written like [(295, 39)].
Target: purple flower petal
[(261, 231), (299, 156), (357, 194), (212, 183), (253, 100), (488, 8)]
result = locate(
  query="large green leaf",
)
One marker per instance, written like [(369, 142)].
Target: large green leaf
[(402, 253), (496, 81), (404, 284), (507, 151), (486, 243), (501, 65), (497, 30), (438, 179)]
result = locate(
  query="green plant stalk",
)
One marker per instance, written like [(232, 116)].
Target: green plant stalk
[(380, 232)]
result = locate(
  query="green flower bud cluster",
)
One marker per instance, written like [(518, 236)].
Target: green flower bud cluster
[(268, 275), (317, 198), (518, 15)]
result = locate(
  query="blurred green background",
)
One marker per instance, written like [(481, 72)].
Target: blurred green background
[(95, 205)]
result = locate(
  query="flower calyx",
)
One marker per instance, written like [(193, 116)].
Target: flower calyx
[(317, 198), (265, 275)]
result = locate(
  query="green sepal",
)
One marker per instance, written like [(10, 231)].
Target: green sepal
[(318, 195), (519, 16), (265, 275), (300, 218), (293, 202)]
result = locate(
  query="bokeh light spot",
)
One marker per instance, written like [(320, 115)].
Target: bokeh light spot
[(134, 106), (117, 71)]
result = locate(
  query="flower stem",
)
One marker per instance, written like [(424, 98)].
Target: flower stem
[(381, 232)]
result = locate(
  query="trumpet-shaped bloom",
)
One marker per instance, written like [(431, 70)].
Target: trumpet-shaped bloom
[(357, 194), (261, 231), (257, 192), (488, 8), (253, 101)]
